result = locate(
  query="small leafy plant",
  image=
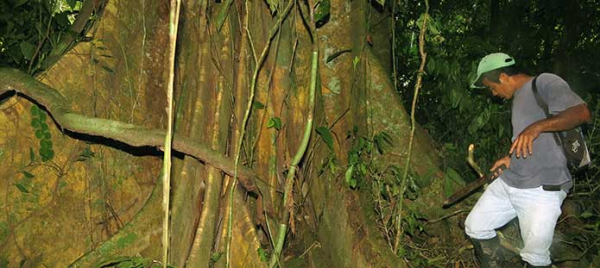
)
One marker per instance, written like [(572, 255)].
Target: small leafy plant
[(42, 133)]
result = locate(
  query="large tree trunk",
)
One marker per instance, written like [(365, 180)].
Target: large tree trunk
[(106, 199)]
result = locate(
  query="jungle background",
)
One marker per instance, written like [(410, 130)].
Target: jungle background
[(345, 122)]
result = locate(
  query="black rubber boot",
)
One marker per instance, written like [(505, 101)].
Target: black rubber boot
[(488, 252)]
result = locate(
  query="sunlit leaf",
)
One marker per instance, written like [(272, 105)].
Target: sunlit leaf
[(355, 62), (349, 173), (274, 122), (262, 255), (322, 12), (273, 5)]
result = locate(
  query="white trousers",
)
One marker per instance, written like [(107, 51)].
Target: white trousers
[(537, 210)]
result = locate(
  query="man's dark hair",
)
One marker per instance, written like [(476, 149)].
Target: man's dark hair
[(494, 75)]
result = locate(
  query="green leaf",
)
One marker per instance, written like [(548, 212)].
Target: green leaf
[(431, 65), (262, 255), (45, 144), (27, 49), (108, 69), (355, 62), (72, 3), (223, 14), (273, 5), (349, 172), (451, 181), (455, 176), (35, 123), (380, 140), (48, 155), (27, 174), (35, 111), (19, 3), (47, 135), (322, 11), (381, 2), (258, 105), (587, 214), (31, 155), (22, 188), (62, 20), (326, 136), (215, 257), (42, 116), (86, 154), (39, 134), (274, 122)]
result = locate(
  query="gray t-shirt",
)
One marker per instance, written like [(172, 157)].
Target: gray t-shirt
[(547, 165)]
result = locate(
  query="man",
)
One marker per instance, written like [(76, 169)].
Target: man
[(536, 179)]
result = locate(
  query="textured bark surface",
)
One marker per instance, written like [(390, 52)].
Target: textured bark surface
[(214, 73)]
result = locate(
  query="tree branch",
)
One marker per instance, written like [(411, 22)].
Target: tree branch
[(60, 110)]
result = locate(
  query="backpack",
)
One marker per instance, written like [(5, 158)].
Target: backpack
[(572, 141)]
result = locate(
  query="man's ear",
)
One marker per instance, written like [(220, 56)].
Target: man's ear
[(503, 78)]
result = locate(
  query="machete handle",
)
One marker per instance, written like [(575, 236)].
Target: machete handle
[(471, 187)]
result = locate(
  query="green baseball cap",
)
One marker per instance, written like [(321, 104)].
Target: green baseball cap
[(489, 63)]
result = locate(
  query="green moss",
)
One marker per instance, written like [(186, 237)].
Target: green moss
[(126, 240)]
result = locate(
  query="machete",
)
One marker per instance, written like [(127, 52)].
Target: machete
[(474, 185)]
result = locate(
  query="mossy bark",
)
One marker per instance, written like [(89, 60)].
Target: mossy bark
[(214, 70)]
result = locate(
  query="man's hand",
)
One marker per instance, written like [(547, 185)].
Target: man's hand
[(565, 120), (497, 166), (523, 144)]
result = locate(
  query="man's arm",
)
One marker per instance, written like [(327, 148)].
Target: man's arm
[(565, 120)]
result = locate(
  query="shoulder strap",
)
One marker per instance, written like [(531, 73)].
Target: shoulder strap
[(538, 98), (543, 105)]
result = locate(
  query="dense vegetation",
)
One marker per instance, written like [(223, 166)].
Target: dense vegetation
[(31, 29), (544, 36)]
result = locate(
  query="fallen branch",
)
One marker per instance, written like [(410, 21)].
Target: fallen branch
[(60, 109)]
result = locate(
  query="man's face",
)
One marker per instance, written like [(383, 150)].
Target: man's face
[(502, 89)]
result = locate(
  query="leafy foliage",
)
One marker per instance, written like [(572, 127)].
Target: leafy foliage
[(550, 36), (30, 29), (42, 133)]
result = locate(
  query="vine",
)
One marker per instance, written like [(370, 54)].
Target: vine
[(413, 123)]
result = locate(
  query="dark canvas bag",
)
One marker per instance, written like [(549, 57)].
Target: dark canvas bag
[(572, 141)]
